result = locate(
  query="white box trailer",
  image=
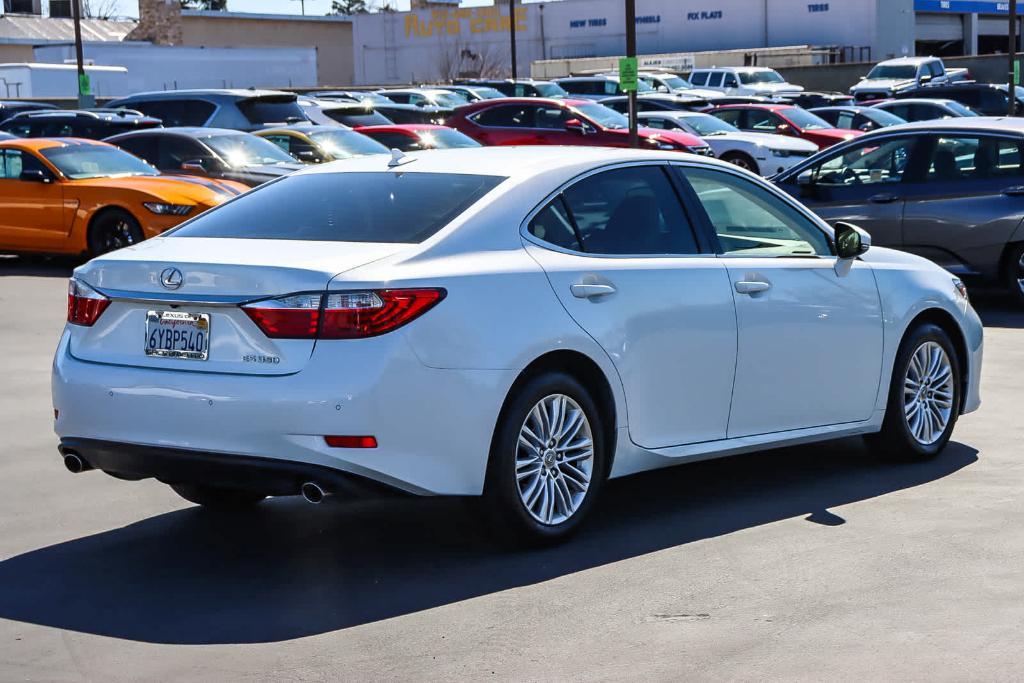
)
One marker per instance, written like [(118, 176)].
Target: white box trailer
[(35, 80)]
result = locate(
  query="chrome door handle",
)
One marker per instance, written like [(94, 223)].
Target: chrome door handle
[(883, 198), (590, 291), (752, 287)]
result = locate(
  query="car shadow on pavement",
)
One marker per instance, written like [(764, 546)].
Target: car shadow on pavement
[(997, 309), (38, 266), (288, 569)]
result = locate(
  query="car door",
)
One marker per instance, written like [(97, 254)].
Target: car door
[(967, 204), (173, 151), (32, 212), (863, 183), (621, 254), (809, 349), (510, 124), (731, 84)]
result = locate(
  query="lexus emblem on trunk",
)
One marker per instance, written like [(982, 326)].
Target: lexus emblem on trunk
[(171, 278)]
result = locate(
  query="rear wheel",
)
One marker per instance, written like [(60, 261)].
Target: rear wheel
[(217, 497), (1014, 275), (548, 461), (924, 396), (741, 160), (114, 229)]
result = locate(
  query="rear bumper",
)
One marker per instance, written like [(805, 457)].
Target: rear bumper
[(269, 476)]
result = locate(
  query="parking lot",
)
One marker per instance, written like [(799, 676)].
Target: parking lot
[(804, 563)]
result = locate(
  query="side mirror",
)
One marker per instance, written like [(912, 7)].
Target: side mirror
[(805, 179), (576, 126), (924, 79), (35, 176), (782, 129), (663, 88), (851, 242), (867, 127), (194, 166)]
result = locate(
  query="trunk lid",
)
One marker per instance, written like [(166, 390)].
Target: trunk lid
[(216, 275)]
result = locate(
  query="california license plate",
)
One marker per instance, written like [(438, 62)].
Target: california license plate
[(178, 334)]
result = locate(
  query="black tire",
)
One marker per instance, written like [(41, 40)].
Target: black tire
[(897, 439), (1014, 275), (113, 229), (505, 507), (742, 160), (216, 497)]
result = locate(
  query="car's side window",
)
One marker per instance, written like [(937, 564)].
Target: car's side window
[(20, 129), (396, 141), (900, 110), (550, 118), (14, 162), (760, 120), (699, 77), (845, 120), (751, 221), (279, 140), (715, 79), (611, 89), (730, 81), (731, 116), (633, 210), (869, 164), (553, 225), (962, 158), (507, 116), (142, 146), (660, 124), (175, 151)]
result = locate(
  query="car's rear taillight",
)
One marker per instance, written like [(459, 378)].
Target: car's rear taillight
[(341, 315), (85, 304)]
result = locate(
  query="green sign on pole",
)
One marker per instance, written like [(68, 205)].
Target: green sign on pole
[(84, 86), (627, 74)]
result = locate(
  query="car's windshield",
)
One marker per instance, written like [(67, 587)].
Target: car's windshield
[(550, 90), (748, 77), (446, 138), (705, 124), (365, 97), (961, 109), (676, 83), (96, 161), (344, 144), (805, 120), (883, 71), (603, 116), (247, 150), (883, 117), (404, 208), (449, 99)]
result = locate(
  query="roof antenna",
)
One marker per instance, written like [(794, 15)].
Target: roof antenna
[(398, 158)]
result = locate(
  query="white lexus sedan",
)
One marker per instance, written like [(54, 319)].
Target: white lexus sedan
[(516, 323), (764, 153)]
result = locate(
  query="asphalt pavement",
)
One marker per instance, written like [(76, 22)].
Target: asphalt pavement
[(810, 563)]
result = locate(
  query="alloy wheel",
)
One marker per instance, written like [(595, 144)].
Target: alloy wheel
[(928, 393), (554, 459), (118, 236)]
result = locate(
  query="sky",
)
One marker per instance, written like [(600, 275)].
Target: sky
[(130, 8)]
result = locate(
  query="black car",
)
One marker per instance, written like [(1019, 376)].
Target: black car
[(858, 118), (62, 123), (213, 152), (988, 99), (659, 102), (520, 87), (9, 108), (236, 109)]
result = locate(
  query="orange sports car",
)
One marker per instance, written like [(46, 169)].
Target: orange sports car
[(71, 196)]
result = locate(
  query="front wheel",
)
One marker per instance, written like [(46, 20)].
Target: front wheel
[(548, 461), (741, 160), (924, 397), (113, 230)]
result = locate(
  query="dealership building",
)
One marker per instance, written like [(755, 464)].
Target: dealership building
[(446, 41)]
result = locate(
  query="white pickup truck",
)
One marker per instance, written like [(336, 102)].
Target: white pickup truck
[(893, 75)]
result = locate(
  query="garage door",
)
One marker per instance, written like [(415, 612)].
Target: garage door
[(940, 27)]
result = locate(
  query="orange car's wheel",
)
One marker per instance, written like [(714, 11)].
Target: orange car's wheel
[(113, 229)]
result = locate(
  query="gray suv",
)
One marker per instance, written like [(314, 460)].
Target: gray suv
[(950, 190), (230, 108)]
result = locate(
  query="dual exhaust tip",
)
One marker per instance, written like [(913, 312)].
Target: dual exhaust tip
[(311, 491)]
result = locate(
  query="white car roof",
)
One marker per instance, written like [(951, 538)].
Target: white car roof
[(910, 61)]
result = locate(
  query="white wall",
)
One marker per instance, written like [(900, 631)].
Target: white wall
[(412, 46), (152, 67)]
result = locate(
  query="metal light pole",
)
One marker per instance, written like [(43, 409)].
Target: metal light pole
[(1011, 91), (512, 34), (634, 141), (85, 98)]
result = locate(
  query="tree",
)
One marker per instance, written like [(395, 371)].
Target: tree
[(99, 9), (349, 7), (217, 5)]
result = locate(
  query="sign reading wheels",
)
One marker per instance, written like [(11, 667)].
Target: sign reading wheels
[(627, 74)]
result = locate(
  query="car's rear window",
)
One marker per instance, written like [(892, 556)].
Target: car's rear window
[(391, 207), (262, 110)]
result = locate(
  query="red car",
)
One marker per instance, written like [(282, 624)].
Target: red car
[(413, 136), (539, 121), (784, 119)]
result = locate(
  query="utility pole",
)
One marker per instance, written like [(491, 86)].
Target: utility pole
[(85, 98), (512, 34), (1011, 91), (634, 141)]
